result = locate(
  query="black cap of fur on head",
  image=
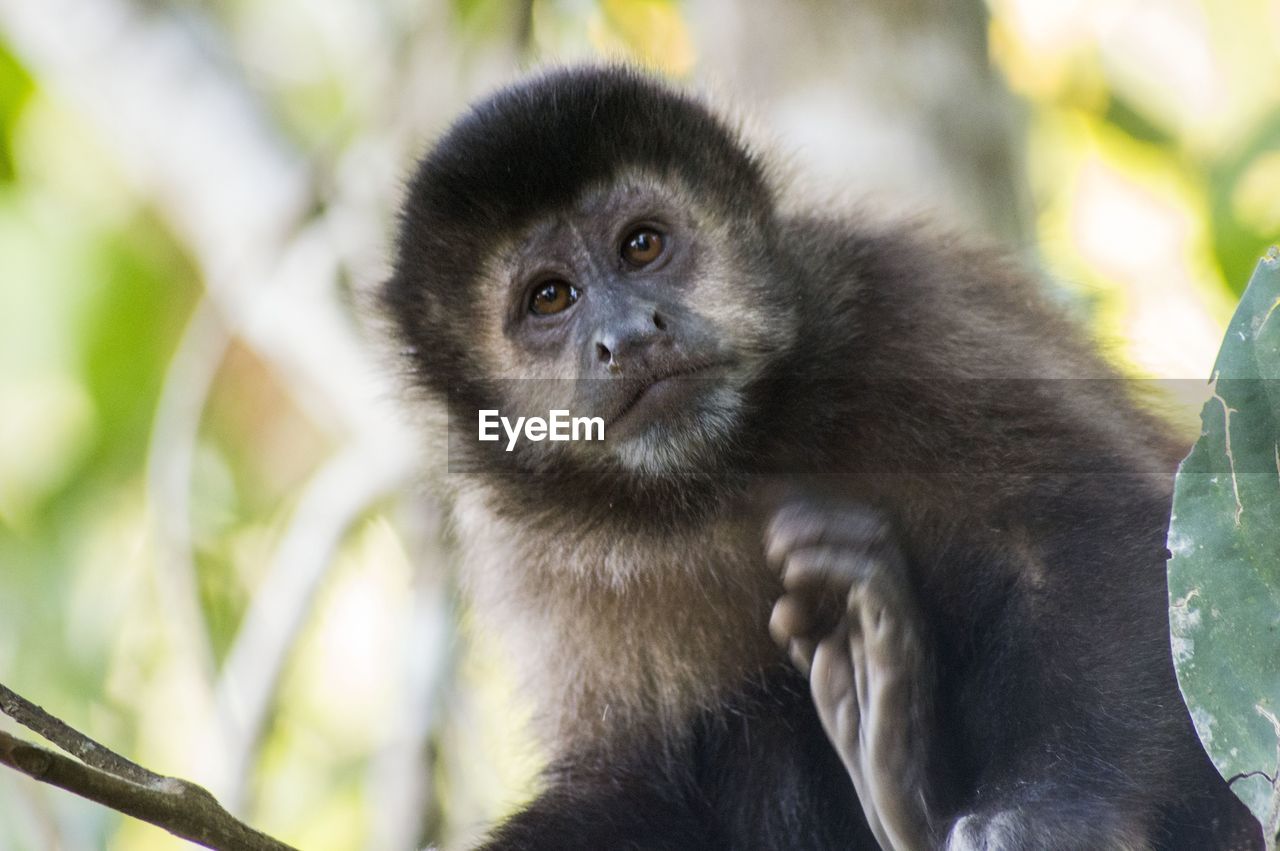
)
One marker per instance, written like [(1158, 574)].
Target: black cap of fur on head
[(527, 151)]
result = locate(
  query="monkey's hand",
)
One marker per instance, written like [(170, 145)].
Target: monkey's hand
[(849, 620)]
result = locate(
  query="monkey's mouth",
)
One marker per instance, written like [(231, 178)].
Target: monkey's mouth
[(662, 394)]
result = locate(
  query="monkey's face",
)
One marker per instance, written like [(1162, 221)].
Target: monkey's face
[(638, 306), (593, 242)]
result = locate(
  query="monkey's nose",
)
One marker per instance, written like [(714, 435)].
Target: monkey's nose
[(617, 346), (605, 355)]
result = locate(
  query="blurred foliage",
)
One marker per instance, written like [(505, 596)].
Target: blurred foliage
[(92, 299), (1153, 153), (1160, 122), (15, 86)]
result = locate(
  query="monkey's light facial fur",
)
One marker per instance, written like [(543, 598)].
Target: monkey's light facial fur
[(567, 245)]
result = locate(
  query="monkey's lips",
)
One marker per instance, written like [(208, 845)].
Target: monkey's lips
[(663, 396)]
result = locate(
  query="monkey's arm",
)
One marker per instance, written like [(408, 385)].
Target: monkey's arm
[(849, 620)]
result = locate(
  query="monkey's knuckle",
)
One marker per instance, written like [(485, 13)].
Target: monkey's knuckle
[(833, 568), (1002, 831)]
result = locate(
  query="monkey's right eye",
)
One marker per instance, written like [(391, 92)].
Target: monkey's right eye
[(553, 297), (641, 247)]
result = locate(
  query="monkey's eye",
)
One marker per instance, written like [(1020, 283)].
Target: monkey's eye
[(553, 297), (642, 246)]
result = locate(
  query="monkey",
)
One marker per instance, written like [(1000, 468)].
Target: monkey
[(872, 551)]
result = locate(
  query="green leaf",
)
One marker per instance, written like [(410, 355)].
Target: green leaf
[(1224, 577)]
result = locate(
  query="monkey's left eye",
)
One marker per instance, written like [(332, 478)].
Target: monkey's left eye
[(642, 246), (553, 297)]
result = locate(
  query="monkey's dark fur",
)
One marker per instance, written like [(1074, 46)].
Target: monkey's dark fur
[(892, 369)]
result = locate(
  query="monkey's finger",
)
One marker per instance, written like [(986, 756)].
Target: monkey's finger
[(804, 523), (836, 667), (884, 606), (823, 569), (800, 650), (863, 680), (790, 619), (820, 579), (832, 683)]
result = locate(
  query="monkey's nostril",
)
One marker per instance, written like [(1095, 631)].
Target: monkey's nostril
[(659, 322), (602, 352)]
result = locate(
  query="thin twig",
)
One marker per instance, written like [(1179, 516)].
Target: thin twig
[(71, 740), (402, 775), (346, 487), (171, 453), (180, 807)]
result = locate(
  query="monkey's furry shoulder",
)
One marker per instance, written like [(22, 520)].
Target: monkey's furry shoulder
[(595, 241)]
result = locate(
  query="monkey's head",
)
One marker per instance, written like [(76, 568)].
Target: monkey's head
[(596, 242)]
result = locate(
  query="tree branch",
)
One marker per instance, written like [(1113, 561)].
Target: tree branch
[(71, 740), (179, 806)]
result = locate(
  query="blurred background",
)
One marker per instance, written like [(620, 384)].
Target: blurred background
[(213, 556)]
